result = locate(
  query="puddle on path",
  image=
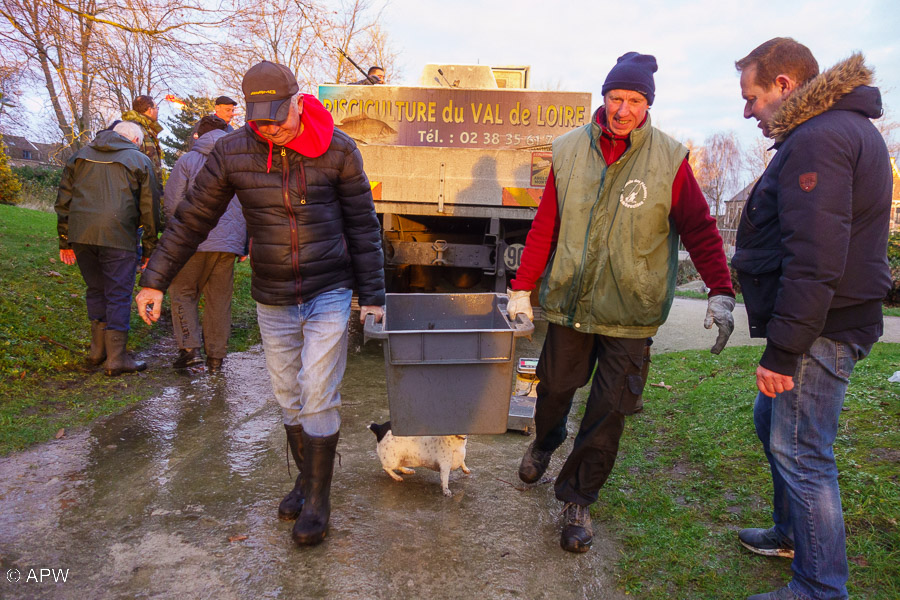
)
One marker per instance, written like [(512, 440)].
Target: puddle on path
[(144, 504)]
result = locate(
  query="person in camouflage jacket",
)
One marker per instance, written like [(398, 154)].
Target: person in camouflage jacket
[(145, 112)]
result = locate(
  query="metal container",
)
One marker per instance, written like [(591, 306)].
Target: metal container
[(449, 361)]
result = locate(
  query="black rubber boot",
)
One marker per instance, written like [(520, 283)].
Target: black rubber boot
[(290, 507), (118, 361), (318, 467), (98, 344)]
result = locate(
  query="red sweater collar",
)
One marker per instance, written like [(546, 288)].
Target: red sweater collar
[(316, 132)]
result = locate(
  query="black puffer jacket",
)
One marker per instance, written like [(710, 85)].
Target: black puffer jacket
[(812, 239), (311, 221)]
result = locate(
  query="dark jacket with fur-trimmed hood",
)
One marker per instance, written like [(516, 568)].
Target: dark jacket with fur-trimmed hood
[(310, 217), (812, 239)]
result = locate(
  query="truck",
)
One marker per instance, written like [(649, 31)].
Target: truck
[(457, 167)]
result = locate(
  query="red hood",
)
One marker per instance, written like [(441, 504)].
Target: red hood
[(316, 134)]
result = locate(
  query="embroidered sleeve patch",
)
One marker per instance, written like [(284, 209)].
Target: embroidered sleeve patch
[(808, 181)]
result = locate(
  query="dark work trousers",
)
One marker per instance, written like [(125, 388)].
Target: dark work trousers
[(109, 275), (567, 360), (211, 275)]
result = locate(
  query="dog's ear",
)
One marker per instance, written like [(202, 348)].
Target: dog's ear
[(380, 430)]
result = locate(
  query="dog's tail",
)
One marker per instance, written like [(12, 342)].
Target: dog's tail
[(380, 430)]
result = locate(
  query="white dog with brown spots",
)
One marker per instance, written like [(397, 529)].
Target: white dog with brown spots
[(438, 453)]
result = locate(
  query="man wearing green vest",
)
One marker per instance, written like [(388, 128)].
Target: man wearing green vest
[(605, 241)]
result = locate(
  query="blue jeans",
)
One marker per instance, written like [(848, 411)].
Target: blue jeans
[(797, 430), (306, 354), (109, 275)]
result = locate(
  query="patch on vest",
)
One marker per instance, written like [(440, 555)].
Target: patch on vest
[(808, 181), (633, 194)]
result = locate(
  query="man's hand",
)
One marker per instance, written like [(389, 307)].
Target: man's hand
[(144, 262), (67, 256), (519, 302), (378, 311), (771, 383), (149, 304), (718, 311)]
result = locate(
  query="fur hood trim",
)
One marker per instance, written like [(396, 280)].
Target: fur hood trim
[(820, 95)]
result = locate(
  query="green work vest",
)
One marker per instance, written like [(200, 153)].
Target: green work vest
[(613, 271)]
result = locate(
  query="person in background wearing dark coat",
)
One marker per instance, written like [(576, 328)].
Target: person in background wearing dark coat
[(316, 237), (374, 76), (811, 260), (210, 272), (107, 191), (223, 109)]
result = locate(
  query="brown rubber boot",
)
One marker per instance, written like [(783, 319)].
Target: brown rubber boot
[(318, 468), (118, 361), (98, 345), (290, 507)]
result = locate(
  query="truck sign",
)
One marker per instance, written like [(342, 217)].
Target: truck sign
[(451, 117)]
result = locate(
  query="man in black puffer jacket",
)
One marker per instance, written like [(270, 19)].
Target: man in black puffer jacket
[(314, 237), (811, 259)]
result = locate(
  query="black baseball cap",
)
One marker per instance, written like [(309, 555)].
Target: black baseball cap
[(225, 100), (267, 88)]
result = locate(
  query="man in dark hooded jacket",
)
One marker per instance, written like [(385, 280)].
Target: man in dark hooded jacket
[(210, 272), (315, 237), (811, 260), (107, 191)]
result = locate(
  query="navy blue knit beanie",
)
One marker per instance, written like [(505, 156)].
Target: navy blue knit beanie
[(634, 72)]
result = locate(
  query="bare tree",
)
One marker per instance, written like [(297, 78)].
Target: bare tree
[(90, 54), (757, 157), (311, 38), (12, 77), (716, 166), (890, 131)]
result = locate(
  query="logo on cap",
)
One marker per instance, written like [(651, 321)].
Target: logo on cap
[(262, 92)]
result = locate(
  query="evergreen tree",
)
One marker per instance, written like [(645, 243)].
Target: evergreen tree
[(180, 126), (9, 183)]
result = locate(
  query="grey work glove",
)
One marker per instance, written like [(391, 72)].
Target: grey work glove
[(719, 311), (519, 302)]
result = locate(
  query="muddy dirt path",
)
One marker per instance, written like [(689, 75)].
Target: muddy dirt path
[(176, 498)]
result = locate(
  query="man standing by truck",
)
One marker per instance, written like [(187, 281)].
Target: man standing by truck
[(315, 236), (605, 239), (812, 264)]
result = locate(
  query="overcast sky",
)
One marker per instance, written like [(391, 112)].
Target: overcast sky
[(571, 45)]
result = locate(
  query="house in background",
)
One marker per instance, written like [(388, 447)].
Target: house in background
[(729, 221), (24, 153), (733, 207)]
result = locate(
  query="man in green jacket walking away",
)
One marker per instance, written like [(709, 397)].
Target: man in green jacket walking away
[(108, 190)]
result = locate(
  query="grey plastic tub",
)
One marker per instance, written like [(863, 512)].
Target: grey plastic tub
[(449, 361)]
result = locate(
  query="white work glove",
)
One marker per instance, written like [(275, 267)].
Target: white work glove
[(519, 302), (719, 311)]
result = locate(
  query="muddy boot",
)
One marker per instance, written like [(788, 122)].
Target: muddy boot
[(318, 467), (118, 361), (98, 345), (577, 533), (289, 509), (534, 463)]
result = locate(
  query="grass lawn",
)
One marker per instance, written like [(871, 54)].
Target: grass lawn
[(45, 334), (692, 473)]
